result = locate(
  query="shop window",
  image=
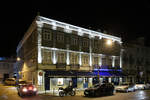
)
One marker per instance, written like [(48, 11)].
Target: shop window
[(60, 82)]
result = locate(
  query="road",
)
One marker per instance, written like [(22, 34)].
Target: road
[(10, 93)]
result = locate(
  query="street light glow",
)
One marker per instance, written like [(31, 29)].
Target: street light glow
[(18, 59), (109, 42)]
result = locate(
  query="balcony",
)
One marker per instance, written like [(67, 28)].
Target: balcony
[(61, 66), (74, 66)]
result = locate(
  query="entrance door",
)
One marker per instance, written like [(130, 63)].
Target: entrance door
[(74, 81), (47, 83), (85, 84)]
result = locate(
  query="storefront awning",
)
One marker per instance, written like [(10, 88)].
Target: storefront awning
[(68, 73), (60, 73), (102, 73)]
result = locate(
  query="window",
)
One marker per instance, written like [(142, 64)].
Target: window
[(117, 62), (85, 59), (74, 58), (74, 41), (60, 81), (95, 60), (47, 34), (85, 43), (95, 44), (104, 61), (61, 57), (109, 60), (60, 37), (47, 57)]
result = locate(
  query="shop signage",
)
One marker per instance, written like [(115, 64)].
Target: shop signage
[(40, 73)]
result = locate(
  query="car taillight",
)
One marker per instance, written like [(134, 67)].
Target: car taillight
[(24, 90), (34, 89)]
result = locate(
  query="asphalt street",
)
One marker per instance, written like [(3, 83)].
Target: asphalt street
[(10, 93)]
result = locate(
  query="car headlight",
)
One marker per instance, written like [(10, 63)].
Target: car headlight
[(24, 90), (34, 89)]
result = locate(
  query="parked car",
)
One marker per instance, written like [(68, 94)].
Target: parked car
[(100, 90), (142, 86), (27, 90), (10, 81), (125, 87), (21, 82)]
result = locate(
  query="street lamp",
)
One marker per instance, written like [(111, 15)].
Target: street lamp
[(109, 42), (18, 59)]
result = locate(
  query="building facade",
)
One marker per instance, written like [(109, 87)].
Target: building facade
[(136, 61), (6, 68), (54, 54)]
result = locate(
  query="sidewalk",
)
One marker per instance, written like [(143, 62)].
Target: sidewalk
[(56, 92)]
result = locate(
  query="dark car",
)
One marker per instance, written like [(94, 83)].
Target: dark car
[(100, 90), (27, 90)]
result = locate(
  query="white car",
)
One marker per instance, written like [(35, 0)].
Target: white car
[(142, 86), (10, 81), (125, 88)]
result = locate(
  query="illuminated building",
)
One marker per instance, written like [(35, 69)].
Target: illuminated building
[(54, 54)]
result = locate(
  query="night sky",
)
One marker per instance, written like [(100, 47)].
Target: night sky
[(125, 18)]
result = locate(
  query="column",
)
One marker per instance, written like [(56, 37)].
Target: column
[(113, 61), (121, 54), (90, 53), (54, 57), (67, 59), (39, 32), (100, 60), (90, 59), (80, 59)]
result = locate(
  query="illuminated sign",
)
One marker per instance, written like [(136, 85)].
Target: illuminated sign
[(60, 81)]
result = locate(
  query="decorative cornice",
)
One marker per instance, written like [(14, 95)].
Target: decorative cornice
[(69, 28)]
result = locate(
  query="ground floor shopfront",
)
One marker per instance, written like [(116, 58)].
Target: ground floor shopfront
[(52, 80)]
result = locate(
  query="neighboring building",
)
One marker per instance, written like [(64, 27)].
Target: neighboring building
[(6, 68), (136, 63), (54, 54)]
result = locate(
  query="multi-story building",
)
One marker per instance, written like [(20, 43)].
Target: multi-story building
[(136, 61), (6, 68), (54, 54)]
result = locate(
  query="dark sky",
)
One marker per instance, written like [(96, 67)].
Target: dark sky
[(125, 18)]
